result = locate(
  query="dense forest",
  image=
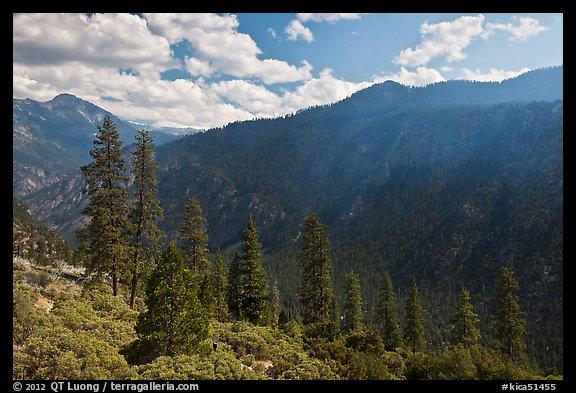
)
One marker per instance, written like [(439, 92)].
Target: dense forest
[(144, 304), (31, 240)]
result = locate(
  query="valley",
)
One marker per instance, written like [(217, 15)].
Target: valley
[(444, 184)]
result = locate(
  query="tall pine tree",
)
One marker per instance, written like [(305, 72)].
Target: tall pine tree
[(146, 210), (316, 291), (273, 305), (220, 285), (353, 313), (195, 239), (206, 294), (195, 248), (510, 321), (387, 315), (465, 324), (253, 279), (107, 207), (414, 324), (234, 291), (175, 321)]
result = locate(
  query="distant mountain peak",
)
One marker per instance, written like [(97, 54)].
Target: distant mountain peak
[(64, 96), (68, 99)]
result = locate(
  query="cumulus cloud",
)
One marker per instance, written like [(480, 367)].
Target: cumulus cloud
[(327, 17), (527, 27), (296, 30), (216, 40), (318, 91), (253, 98), (107, 40), (198, 67), (421, 77), (449, 39), (494, 75), (446, 39)]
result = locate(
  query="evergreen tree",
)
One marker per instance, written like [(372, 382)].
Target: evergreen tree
[(206, 295), (414, 324), (510, 321), (464, 329), (220, 285), (274, 306), (234, 292), (316, 291), (253, 280), (353, 314), (195, 239), (107, 204), (146, 210), (387, 315), (175, 322)]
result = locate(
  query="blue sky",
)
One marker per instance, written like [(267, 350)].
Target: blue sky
[(206, 70)]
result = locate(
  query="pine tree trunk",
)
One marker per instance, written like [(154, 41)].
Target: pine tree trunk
[(114, 281), (134, 281)]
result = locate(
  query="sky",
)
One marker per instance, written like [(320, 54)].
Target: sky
[(205, 70)]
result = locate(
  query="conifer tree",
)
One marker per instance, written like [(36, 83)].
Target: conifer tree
[(234, 291), (206, 294), (220, 285), (414, 324), (387, 315), (510, 321), (146, 210), (195, 249), (353, 313), (175, 321), (274, 306), (107, 204), (316, 291), (195, 239), (465, 324), (253, 279)]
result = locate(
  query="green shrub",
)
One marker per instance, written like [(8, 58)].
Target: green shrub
[(421, 366)]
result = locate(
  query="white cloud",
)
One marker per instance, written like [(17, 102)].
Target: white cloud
[(272, 33), (254, 98), (106, 40), (446, 39), (494, 75), (318, 91), (528, 27), (296, 30), (327, 17), (198, 67), (216, 40), (421, 77)]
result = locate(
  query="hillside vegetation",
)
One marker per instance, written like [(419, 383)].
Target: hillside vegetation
[(66, 327)]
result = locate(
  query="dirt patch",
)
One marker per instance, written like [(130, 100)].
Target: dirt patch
[(265, 363), (44, 303)]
